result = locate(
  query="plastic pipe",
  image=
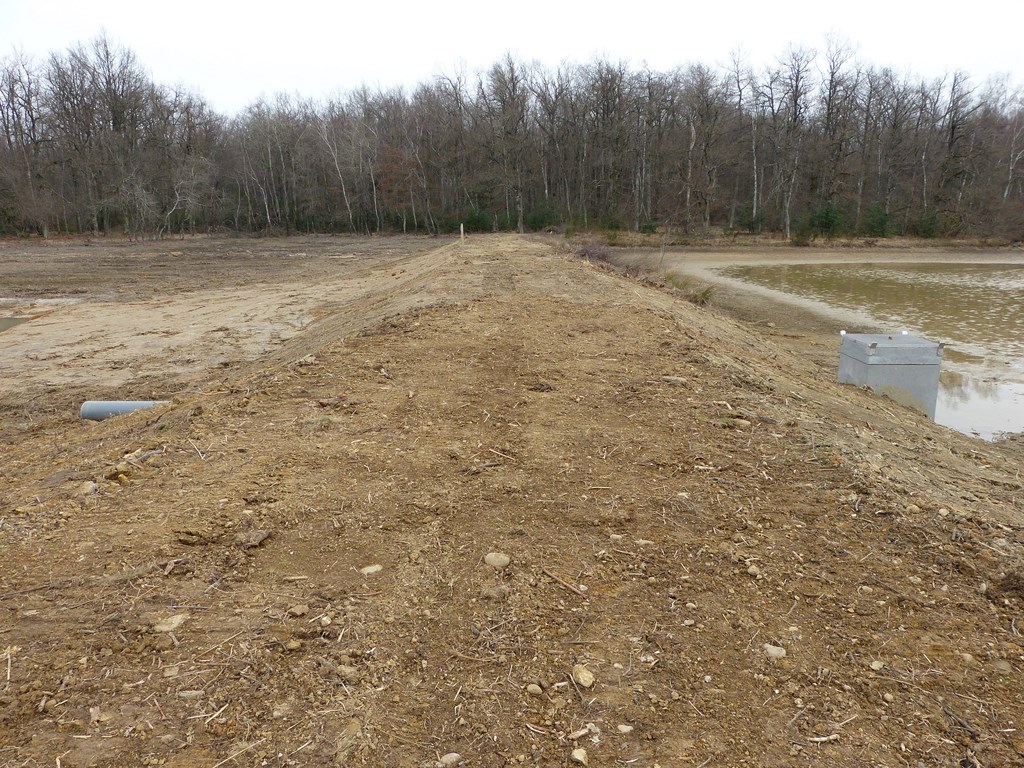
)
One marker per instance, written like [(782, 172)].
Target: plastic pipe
[(98, 410)]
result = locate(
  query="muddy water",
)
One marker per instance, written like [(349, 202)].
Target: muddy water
[(10, 322), (976, 309)]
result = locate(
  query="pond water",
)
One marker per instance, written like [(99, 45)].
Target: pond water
[(976, 309), (10, 322)]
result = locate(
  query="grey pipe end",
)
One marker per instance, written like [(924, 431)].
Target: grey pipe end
[(98, 410)]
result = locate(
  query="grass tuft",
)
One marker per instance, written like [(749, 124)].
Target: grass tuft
[(696, 294)]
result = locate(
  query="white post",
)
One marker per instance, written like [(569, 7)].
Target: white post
[(462, 232)]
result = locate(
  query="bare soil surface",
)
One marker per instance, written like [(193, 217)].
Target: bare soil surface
[(139, 320), (416, 498)]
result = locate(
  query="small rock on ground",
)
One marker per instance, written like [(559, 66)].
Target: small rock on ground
[(171, 623), (583, 676), (497, 560), (774, 651), (251, 538)]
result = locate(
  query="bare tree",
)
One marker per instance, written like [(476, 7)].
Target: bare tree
[(89, 143), (24, 132)]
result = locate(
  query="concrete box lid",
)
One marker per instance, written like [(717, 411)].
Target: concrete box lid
[(891, 349)]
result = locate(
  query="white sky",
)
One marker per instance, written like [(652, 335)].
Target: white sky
[(233, 53)]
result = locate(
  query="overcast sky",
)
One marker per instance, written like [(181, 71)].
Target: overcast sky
[(233, 53)]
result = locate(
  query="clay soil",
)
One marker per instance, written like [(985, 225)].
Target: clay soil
[(717, 555)]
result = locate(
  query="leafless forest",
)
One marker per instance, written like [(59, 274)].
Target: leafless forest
[(818, 143)]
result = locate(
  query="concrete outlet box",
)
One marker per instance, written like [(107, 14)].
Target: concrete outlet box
[(902, 367)]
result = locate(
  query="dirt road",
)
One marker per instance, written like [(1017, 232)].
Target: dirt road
[(486, 504)]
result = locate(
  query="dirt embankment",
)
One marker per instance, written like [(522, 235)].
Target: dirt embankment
[(715, 555)]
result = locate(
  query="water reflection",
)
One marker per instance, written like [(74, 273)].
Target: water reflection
[(960, 388), (980, 407), (974, 308)]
